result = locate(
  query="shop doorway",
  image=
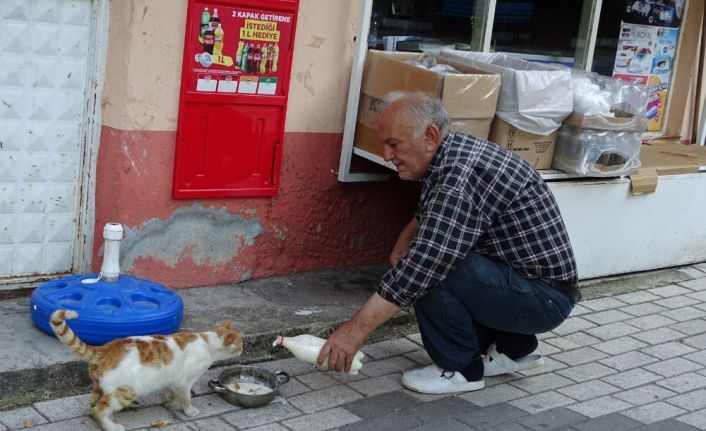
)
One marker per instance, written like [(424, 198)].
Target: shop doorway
[(48, 90)]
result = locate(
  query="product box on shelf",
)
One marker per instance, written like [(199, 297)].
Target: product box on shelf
[(470, 96)]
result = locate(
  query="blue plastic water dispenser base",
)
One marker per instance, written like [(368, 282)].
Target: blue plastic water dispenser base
[(108, 309)]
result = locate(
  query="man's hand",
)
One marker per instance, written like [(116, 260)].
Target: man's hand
[(401, 248), (341, 347), (345, 342)]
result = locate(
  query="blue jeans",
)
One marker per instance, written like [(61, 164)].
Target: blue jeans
[(483, 293)]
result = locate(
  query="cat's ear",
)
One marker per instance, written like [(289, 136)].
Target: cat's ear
[(224, 326)]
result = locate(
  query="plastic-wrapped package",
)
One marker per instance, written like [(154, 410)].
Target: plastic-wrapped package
[(597, 153), (534, 97), (605, 103)]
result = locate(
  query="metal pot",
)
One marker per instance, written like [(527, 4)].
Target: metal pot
[(251, 375)]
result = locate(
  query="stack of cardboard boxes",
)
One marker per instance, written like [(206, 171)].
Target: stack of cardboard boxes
[(470, 97)]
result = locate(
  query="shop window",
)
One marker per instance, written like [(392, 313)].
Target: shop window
[(418, 25), (537, 29)]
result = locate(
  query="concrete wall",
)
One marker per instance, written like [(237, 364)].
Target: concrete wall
[(314, 222)]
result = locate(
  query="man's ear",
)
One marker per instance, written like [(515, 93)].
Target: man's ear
[(432, 138)]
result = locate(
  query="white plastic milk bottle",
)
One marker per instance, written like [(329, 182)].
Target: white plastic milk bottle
[(307, 347)]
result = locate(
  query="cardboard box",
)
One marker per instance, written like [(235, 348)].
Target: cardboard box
[(469, 97), (662, 157), (537, 150)]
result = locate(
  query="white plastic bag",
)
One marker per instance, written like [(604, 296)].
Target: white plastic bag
[(533, 97)]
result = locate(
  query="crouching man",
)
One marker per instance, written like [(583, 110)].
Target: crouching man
[(486, 261)]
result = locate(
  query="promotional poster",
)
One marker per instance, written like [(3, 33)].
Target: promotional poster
[(239, 50), (646, 50)]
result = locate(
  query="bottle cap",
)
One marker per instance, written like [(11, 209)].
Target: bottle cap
[(278, 341), (113, 231)]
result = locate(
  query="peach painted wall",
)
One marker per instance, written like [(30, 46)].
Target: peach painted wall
[(315, 221)]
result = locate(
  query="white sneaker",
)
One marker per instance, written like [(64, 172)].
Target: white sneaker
[(496, 363), (433, 380)]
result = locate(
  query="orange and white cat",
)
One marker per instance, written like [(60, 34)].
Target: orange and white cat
[(130, 367)]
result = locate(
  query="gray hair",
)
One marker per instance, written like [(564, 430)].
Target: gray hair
[(423, 108)]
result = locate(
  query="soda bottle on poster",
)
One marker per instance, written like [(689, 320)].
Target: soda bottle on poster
[(275, 57), (239, 53), (218, 40), (256, 59), (251, 55), (205, 19), (263, 59), (208, 40), (244, 58), (270, 48), (215, 20)]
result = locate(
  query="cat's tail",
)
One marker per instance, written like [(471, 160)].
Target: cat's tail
[(68, 337)]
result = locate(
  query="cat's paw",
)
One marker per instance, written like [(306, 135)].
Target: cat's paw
[(191, 411)]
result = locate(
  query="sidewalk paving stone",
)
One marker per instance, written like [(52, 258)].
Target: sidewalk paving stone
[(628, 360), (386, 366), (619, 345), (650, 322), (558, 418), (607, 316), (385, 349), (322, 421), (609, 422), (579, 356), (489, 417), (540, 402), (582, 373), (645, 394), (677, 302), (613, 330), (698, 283), (78, 424), (600, 406), (631, 378), (670, 425), (684, 383), (696, 419), (250, 418), (208, 405), (644, 309), (17, 418), (602, 304), (673, 367), (446, 425), (690, 401), (683, 314), (568, 342), (667, 291), (378, 385), (697, 341), (64, 408), (494, 395), (319, 380), (587, 390), (692, 327), (144, 417), (573, 324), (541, 383), (654, 412), (383, 404), (324, 399), (668, 350), (659, 335)]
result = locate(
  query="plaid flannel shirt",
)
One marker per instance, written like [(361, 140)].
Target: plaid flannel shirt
[(477, 196)]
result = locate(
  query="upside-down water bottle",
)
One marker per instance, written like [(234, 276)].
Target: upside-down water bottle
[(306, 347)]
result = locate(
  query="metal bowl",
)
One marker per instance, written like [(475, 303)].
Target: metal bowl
[(248, 375)]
